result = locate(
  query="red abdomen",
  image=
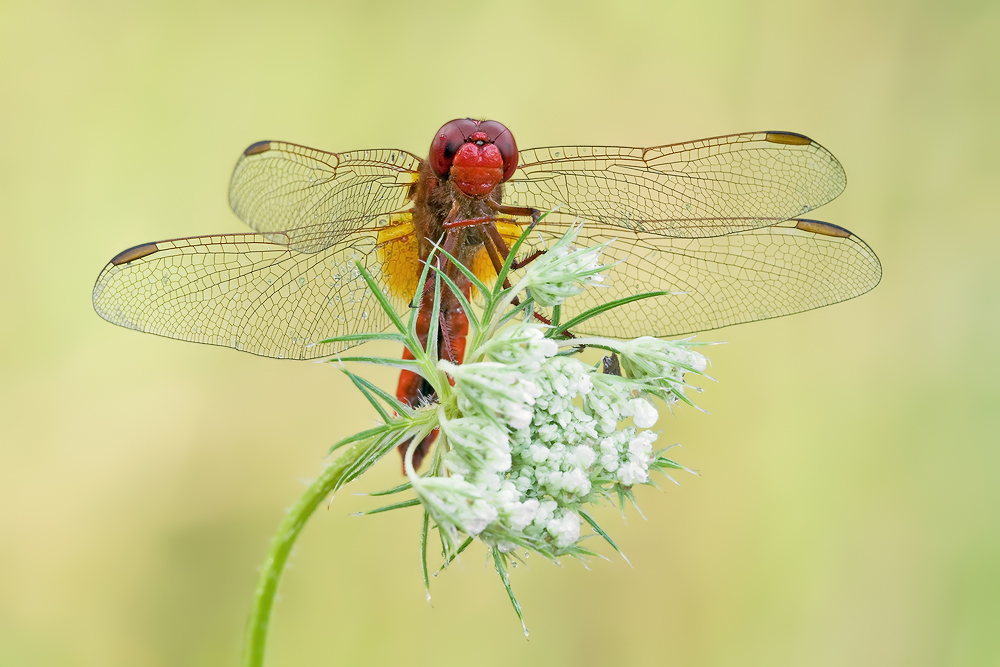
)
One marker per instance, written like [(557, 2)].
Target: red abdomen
[(453, 327)]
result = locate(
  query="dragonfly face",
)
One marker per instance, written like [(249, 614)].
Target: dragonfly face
[(475, 155), (716, 222)]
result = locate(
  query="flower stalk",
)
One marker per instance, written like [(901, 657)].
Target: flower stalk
[(331, 479)]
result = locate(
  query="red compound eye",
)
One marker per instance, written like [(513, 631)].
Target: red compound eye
[(447, 141), (454, 133), (501, 137)]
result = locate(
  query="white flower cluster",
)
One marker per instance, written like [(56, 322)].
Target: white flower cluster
[(541, 435), (531, 436), (663, 363), (563, 271)]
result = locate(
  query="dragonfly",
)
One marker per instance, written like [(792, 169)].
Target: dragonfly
[(716, 224)]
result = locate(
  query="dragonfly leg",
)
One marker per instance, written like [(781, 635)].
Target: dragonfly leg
[(471, 222), (488, 223), (497, 245), (452, 215), (492, 243), (520, 264), (501, 246), (498, 241), (534, 213), (527, 211)]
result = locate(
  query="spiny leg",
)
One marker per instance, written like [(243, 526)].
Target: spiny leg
[(498, 241), (505, 209)]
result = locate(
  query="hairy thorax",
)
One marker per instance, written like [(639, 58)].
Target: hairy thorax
[(435, 198)]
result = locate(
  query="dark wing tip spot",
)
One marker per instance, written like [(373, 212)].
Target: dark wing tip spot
[(822, 228), (259, 147), (788, 138), (134, 253)]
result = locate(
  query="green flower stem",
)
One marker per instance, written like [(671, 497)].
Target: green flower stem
[(267, 585)]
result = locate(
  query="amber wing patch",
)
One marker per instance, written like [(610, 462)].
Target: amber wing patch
[(399, 254)]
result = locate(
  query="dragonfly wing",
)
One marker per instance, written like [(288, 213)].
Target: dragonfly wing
[(278, 186), (694, 189), (715, 282), (248, 291)]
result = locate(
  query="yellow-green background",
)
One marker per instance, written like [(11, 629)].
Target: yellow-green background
[(848, 511)]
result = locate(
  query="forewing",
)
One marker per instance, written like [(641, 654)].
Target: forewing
[(248, 292), (716, 282), (277, 187), (695, 189)]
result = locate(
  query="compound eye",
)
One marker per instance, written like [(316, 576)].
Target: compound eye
[(501, 137), (447, 141)]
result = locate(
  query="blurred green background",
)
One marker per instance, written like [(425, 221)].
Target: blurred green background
[(848, 510)]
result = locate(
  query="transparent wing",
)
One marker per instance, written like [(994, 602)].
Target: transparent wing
[(278, 186), (694, 189), (249, 292), (716, 282)]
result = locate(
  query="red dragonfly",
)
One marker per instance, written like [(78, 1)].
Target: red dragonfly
[(715, 221)]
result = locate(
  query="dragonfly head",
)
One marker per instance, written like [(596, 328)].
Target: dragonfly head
[(476, 155)]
